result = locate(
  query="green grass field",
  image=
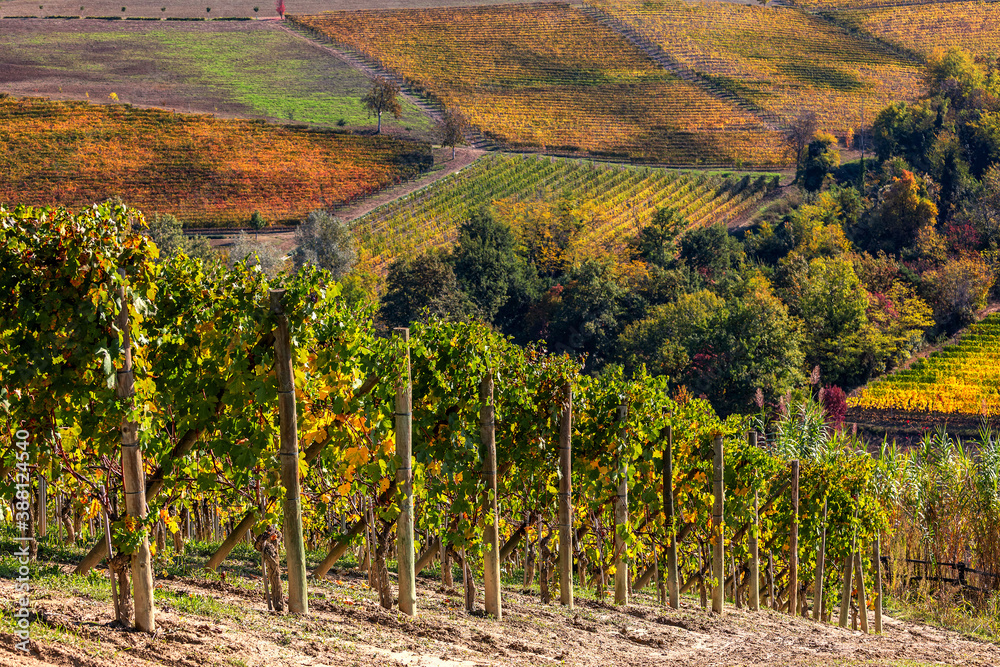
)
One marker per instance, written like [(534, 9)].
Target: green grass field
[(232, 68)]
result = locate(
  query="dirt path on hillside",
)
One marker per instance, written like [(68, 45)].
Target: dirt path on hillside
[(444, 166), (347, 627)]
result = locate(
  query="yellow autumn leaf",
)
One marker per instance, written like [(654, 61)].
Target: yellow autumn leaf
[(458, 477), (357, 456), (383, 484), (344, 488)]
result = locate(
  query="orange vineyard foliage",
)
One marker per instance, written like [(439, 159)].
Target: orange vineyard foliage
[(780, 59), (962, 378), (204, 170), (973, 26), (547, 76)]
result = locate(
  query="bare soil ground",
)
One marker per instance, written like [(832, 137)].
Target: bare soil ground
[(347, 627)]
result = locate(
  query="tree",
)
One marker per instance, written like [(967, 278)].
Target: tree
[(257, 223), (834, 307), (592, 312), (452, 129), (904, 209), (325, 241), (382, 97), (422, 288), (657, 241), (279, 6), (254, 253), (820, 160), (486, 263), (801, 133), (711, 251), (954, 74), (664, 340), (959, 289), (167, 232)]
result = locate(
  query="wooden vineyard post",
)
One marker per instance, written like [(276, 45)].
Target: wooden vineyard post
[(754, 546), (718, 532), (845, 596), (771, 600), (133, 479), (42, 517), (111, 570), (491, 528), (234, 538), (818, 603), (566, 499), (621, 520), (862, 595), (404, 478), (673, 585), (295, 551), (263, 559), (793, 544), (877, 564)]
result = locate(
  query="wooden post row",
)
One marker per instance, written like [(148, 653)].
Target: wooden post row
[(404, 478), (295, 551), (491, 528), (877, 564), (845, 595), (673, 585), (862, 596), (566, 499), (793, 544), (133, 480), (718, 529), (621, 519), (818, 602), (754, 542)]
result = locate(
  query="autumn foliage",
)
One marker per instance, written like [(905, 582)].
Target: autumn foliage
[(548, 76), (204, 170)]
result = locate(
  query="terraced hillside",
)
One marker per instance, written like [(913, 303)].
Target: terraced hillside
[(961, 379), (549, 77), (204, 170), (974, 26), (246, 69), (613, 202), (783, 60)]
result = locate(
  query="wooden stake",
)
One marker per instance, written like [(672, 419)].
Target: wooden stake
[(133, 479), (111, 571), (295, 550), (491, 528), (820, 563), (621, 520), (263, 560), (862, 595), (845, 595), (233, 539), (771, 600), (404, 478), (877, 564), (673, 585), (566, 499), (754, 543), (42, 516), (718, 532), (793, 544)]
